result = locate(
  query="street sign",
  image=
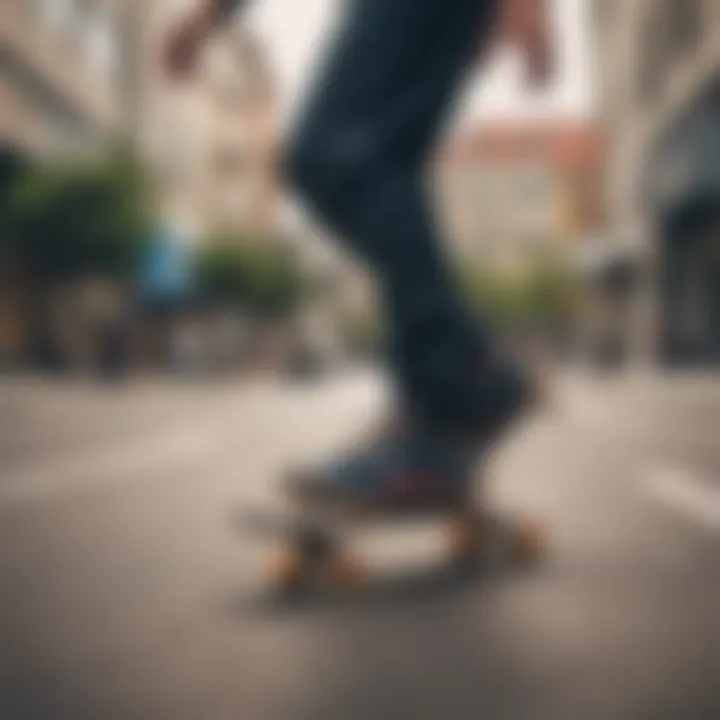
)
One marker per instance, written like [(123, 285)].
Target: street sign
[(166, 269)]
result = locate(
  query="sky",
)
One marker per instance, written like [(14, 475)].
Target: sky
[(293, 32)]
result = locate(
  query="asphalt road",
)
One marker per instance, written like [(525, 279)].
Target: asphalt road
[(125, 593)]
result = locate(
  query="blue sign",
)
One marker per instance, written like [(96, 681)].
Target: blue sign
[(166, 268)]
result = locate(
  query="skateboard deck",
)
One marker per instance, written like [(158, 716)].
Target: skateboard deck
[(311, 549)]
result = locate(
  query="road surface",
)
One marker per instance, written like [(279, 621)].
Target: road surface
[(124, 592)]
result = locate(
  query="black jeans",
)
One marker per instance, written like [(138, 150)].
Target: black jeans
[(359, 157)]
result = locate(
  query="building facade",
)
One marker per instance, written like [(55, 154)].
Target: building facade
[(62, 65), (60, 69), (659, 63), (240, 169), (210, 142), (76, 74), (515, 193)]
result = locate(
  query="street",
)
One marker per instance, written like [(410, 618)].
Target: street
[(126, 593)]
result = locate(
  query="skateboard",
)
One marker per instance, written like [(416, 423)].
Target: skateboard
[(312, 550)]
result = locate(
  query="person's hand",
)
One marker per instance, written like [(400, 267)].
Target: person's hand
[(526, 23), (185, 40)]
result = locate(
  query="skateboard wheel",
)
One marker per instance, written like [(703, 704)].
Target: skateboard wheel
[(346, 573), (528, 542), (289, 570), (464, 540)]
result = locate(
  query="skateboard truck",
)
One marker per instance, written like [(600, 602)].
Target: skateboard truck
[(311, 555)]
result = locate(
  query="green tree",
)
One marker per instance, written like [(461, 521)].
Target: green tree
[(67, 220), (551, 294), (12, 172), (264, 278), (539, 297)]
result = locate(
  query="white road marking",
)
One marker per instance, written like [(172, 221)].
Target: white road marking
[(684, 492), (181, 448), (245, 427)]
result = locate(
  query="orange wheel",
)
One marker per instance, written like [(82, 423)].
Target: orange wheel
[(528, 542), (289, 570), (344, 572), (465, 539)]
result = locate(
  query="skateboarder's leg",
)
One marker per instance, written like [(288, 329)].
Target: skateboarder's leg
[(359, 157)]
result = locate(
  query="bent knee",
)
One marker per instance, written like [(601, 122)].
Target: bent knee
[(325, 169)]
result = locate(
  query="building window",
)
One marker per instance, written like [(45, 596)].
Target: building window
[(56, 14), (102, 46), (230, 162), (684, 26), (651, 62), (671, 30), (532, 187)]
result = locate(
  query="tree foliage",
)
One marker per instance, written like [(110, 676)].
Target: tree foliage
[(263, 278), (66, 220), (542, 296)]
